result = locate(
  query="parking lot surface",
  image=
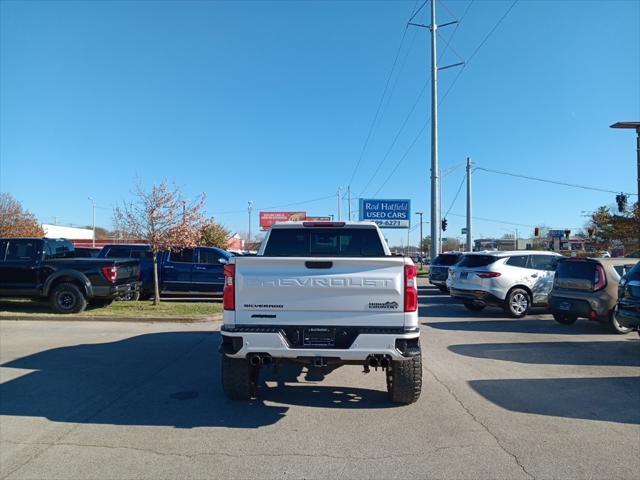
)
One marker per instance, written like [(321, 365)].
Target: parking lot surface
[(501, 398)]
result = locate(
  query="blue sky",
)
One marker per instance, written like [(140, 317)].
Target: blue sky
[(272, 102)]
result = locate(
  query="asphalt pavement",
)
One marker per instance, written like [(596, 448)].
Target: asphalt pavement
[(502, 398)]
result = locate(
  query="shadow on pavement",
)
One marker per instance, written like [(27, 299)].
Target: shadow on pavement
[(621, 353), (163, 379), (525, 325), (609, 399)]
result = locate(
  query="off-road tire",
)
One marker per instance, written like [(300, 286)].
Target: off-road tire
[(615, 326), (565, 319), (513, 295), (67, 298), (404, 380), (473, 306), (239, 378)]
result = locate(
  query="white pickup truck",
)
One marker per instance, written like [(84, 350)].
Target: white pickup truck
[(322, 294)]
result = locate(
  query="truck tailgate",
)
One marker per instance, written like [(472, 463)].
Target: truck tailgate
[(320, 291)]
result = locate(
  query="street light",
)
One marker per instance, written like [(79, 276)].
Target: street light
[(420, 242), (93, 243), (249, 209), (635, 126)]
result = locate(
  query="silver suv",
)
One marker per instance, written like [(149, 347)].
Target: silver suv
[(515, 281)]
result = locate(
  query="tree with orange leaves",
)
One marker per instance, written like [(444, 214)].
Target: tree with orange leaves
[(15, 221)]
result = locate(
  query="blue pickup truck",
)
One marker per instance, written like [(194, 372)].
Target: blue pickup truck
[(193, 272)]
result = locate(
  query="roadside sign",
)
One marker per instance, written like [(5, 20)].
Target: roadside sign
[(463, 231), (386, 213), (556, 233), (269, 218)]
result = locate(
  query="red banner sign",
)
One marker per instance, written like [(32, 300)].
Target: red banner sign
[(269, 218)]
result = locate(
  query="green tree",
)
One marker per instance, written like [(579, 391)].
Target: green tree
[(607, 227), (213, 234)]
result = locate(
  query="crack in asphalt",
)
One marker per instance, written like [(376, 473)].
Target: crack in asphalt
[(245, 455), (122, 393), (479, 422)]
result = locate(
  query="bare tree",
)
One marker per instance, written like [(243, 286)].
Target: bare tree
[(164, 219), (15, 221)]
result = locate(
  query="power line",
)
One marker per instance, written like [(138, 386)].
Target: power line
[(455, 80), (380, 103), (544, 180), (456, 196), (418, 11), (395, 139), (303, 202)]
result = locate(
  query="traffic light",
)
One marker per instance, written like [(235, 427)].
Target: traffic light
[(567, 232), (591, 231), (536, 231), (444, 224), (621, 200)]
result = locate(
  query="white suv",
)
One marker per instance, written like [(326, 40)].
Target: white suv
[(515, 281)]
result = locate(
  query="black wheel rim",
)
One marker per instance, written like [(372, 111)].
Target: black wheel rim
[(66, 300)]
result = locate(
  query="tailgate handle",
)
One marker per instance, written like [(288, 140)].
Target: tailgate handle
[(318, 264)]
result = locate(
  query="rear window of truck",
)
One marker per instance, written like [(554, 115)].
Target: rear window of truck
[(324, 242)]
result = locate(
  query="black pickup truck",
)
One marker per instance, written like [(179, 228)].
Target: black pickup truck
[(40, 268)]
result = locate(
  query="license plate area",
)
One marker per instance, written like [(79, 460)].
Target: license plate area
[(319, 336), (565, 306)]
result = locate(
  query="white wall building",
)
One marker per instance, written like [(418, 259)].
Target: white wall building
[(70, 233)]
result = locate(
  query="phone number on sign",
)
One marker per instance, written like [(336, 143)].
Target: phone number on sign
[(392, 223)]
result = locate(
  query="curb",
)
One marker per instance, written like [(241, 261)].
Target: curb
[(67, 318)]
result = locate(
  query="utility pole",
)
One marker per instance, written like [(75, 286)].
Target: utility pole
[(516, 240), (349, 200), (435, 168), (436, 214), (249, 209), (633, 126), (93, 242), (469, 235), (338, 197), (421, 237)]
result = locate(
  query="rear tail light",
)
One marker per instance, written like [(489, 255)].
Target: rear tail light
[(600, 280), (110, 273), (229, 291), (488, 274), (410, 288)]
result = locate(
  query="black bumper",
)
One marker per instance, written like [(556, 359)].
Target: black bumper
[(572, 307), (628, 316), (475, 295), (114, 291)]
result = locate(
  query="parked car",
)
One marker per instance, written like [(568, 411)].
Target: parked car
[(322, 294), (628, 308), (46, 268), (141, 252), (86, 252), (588, 288), (194, 272), (515, 281), (439, 269)]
